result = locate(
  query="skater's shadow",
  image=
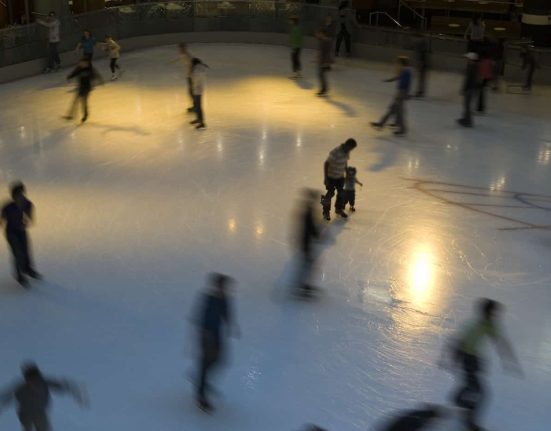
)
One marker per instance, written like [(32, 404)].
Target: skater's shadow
[(346, 109), (388, 154), (110, 128), (304, 84)]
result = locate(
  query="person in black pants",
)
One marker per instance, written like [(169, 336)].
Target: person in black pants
[(324, 60), (529, 64), (86, 75), (421, 63), (307, 235), (471, 86), (214, 313), (344, 30), (198, 71), (17, 215), (465, 354)]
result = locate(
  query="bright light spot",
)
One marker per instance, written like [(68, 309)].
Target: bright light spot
[(231, 225), (261, 157), (421, 275), (22, 132), (499, 184), (264, 134), (299, 141), (259, 230), (544, 154), (219, 144)]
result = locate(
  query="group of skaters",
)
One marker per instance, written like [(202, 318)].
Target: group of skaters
[(215, 321)]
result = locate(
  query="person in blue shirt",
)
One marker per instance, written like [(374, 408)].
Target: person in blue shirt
[(87, 44), (396, 108), (214, 319)]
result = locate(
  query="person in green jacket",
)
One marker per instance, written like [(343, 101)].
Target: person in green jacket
[(296, 47)]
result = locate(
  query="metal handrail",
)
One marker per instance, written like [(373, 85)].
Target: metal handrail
[(423, 18), (378, 13), (507, 2)]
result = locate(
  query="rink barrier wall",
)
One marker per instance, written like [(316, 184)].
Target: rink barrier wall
[(449, 62)]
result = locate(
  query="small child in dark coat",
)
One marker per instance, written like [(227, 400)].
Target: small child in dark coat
[(350, 187)]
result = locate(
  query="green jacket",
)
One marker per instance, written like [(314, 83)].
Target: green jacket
[(296, 37)]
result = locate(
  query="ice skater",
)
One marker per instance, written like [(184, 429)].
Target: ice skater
[(334, 170), (32, 397), (421, 63), (52, 24), (471, 86), (349, 190), (17, 216), (215, 320), (186, 58), (86, 75), (529, 64), (324, 60), (86, 44), (198, 73), (307, 237), (397, 107), (465, 353), (296, 42), (416, 420), (485, 76), (346, 20), (114, 51)]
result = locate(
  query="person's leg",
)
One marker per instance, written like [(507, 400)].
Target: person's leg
[(400, 120), (18, 258), (112, 64), (190, 92), (530, 77), (339, 202), (422, 80), (197, 102), (51, 62), (294, 59), (73, 107), (390, 112), (26, 422), (340, 37), (57, 60), (348, 42), (352, 199), (323, 79), (299, 65), (42, 423), (326, 200), (84, 103)]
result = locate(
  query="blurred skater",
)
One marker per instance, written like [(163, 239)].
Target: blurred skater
[(52, 24), (296, 42), (307, 235), (421, 50), (471, 85), (86, 45), (215, 321), (114, 51), (186, 58), (485, 70), (397, 108), (32, 397), (334, 170), (529, 65), (324, 60), (86, 75), (198, 73), (346, 20), (350, 182), (17, 216), (465, 353), (415, 420)]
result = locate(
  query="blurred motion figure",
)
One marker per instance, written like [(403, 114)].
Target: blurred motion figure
[(32, 397), (86, 75), (295, 39), (17, 215), (215, 320), (465, 353)]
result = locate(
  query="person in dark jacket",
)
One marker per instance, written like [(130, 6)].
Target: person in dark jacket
[(17, 215), (308, 234), (396, 108), (415, 420), (471, 86), (529, 64), (421, 49), (86, 75), (87, 44), (346, 19), (214, 317), (324, 60), (32, 397)]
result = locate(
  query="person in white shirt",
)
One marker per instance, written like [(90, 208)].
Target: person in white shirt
[(114, 51), (52, 24), (198, 78)]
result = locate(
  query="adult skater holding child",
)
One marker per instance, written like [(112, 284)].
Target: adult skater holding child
[(334, 170)]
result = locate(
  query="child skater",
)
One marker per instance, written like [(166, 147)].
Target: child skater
[(114, 51), (350, 187)]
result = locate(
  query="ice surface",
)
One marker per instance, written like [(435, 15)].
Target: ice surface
[(134, 208)]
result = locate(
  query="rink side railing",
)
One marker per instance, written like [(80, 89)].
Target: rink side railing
[(25, 43)]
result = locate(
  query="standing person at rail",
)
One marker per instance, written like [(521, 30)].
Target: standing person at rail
[(52, 24)]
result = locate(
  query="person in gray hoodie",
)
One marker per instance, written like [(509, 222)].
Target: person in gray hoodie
[(32, 397)]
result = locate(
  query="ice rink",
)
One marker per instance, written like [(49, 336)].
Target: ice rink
[(135, 207)]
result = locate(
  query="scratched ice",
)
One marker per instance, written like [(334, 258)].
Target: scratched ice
[(134, 207)]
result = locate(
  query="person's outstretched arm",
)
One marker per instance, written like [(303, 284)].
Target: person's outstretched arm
[(507, 354), (7, 396), (68, 387)]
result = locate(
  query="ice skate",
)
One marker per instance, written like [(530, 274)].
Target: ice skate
[(399, 133), (326, 209), (376, 125), (463, 122), (67, 117), (205, 406), (353, 209), (341, 213), (194, 122), (84, 118), (191, 109), (201, 126), (321, 94), (23, 282)]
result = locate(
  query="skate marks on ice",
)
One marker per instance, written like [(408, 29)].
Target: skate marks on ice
[(519, 210)]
